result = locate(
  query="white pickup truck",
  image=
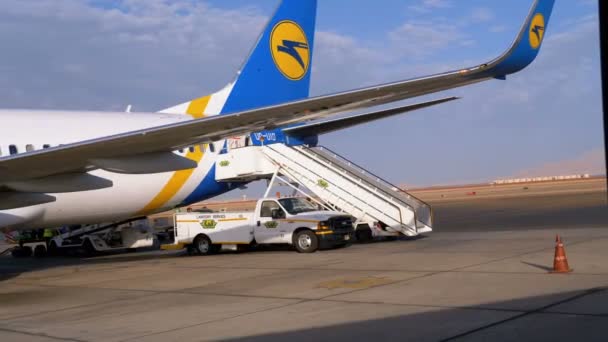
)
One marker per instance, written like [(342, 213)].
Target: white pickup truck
[(291, 220)]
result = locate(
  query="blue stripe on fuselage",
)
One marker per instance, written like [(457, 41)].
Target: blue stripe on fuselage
[(209, 188)]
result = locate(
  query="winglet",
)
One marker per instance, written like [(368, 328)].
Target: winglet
[(527, 44)]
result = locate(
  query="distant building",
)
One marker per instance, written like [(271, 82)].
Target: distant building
[(540, 179)]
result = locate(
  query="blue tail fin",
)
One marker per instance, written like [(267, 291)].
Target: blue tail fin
[(527, 44), (278, 69)]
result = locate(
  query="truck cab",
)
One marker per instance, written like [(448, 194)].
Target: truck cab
[(291, 220), (286, 220)]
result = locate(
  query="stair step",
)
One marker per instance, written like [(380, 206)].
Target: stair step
[(350, 188)]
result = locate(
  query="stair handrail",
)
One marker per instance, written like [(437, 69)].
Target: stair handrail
[(395, 206), (377, 179)]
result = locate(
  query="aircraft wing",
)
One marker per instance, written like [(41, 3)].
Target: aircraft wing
[(116, 153), (329, 126)]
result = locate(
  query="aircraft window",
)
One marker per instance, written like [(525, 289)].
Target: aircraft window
[(191, 149), (12, 149), (46, 146), (181, 151), (29, 147), (212, 148)]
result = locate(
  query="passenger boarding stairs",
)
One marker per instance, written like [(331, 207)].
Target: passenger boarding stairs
[(339, 183)]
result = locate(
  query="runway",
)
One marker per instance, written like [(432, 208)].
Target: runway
[(552, 211), (481, 275)]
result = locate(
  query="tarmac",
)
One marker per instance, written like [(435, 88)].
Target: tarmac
[(483, 274)]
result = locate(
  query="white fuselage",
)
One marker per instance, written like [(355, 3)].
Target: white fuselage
[(130, 195)]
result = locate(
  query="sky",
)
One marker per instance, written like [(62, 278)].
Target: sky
[(152, 54)]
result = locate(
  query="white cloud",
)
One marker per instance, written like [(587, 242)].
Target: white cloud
[(482, 14), (341, 61), (426, 6), (67, 54), (498, 28), (437, 3), (423, 38)]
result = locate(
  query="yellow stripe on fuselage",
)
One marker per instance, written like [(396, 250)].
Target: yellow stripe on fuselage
[(196, 109)]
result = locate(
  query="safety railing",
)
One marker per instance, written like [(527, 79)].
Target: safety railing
[(423, 211), (355, 177)]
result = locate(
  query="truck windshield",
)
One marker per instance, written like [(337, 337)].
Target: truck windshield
[(296, 206)]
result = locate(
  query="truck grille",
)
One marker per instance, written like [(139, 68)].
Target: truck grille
[(341, 223)]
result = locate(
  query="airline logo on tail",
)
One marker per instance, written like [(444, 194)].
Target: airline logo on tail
[(537, 31), (290, 50)]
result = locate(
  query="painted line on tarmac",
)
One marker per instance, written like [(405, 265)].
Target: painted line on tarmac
[(40, 335), (462, 268), (210, 322), (14, 318)]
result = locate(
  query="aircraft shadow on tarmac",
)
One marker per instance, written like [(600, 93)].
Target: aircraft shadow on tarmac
[(537, 318), (11, 267)]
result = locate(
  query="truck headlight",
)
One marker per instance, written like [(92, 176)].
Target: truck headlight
[(323, 225)]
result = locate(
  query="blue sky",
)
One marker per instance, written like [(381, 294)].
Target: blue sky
[(103, 55)]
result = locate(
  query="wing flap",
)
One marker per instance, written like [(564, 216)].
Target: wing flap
[(13, 200), (342, 123), (68, 182), (155, 162)]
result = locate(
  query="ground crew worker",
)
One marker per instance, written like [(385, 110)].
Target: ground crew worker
[(47, 235)]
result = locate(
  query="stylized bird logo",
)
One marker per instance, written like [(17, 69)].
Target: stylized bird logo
[(289, 47), (537, 30)]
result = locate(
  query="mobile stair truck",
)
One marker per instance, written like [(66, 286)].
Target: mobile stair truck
[(294, 221), (379, 209)]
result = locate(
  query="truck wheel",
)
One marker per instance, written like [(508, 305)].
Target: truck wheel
[(39, 251), (202, 245), (306, 241), (364, 233)]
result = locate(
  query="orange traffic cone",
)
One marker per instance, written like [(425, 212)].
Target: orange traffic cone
[(560, 262)]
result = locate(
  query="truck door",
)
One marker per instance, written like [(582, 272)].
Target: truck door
[(268, 227)]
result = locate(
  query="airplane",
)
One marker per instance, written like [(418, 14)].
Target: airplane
[(79, 167)]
